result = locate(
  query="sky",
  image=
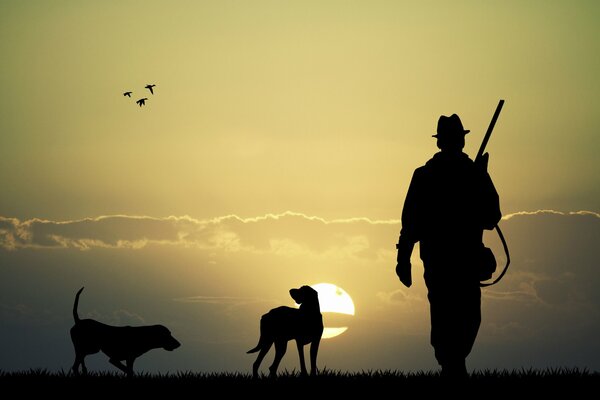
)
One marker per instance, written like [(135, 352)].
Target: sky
[(276, 151)]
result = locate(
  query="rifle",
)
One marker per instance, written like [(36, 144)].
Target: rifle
[(489, 131), (478, 159)]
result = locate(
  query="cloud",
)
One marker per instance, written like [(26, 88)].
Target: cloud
[(124, 317), (228, 300), (553, 255), (290, 234), (285, 233), (546, 244), (119, 317), (550, 212), (509, 330), (25, 314), (223, 273), (115, 231), (399, 296), (552, 252)]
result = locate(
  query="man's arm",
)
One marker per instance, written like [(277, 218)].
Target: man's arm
[(408, 234), (403, 266)]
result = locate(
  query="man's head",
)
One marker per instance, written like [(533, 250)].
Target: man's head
[(450, 133)]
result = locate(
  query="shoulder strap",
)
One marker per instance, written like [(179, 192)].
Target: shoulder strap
[(507, 260)]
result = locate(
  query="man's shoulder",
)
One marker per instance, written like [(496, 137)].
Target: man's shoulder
[(421, 171), (445, 161), (442, 164), (431, 164), (422, 176)]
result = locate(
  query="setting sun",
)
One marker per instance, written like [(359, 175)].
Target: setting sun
[(334, 299)]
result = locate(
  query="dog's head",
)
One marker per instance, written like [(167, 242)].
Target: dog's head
[(305, 296), (165, 339)]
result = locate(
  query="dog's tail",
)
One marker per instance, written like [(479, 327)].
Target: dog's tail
[(75, 315), (254, 350), (262, 341)]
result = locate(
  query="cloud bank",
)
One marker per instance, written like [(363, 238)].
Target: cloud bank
[(210, 280), (287, 233), (271, 232)]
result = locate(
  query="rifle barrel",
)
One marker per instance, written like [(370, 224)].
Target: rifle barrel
[(489, 130)]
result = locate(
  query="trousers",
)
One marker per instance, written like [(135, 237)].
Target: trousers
[(455, 308)]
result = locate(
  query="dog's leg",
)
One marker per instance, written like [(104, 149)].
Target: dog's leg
[(314, 349), (75, 367), (263, 352), (83, 367), (79, 360), (119, 365), (280, 348), (130, 367), (77, 363), (303, 371)]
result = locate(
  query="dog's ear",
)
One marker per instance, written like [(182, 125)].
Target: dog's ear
[(297, 295)]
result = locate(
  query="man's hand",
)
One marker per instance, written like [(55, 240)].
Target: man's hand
[(405, 248), (482, 163), (404, 273)]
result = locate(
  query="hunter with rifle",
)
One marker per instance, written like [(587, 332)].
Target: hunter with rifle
[(450, 201)]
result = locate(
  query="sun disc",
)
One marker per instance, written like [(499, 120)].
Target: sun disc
[(333, 299), (329, 333)]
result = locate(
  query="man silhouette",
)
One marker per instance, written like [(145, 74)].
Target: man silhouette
[(450, 201)]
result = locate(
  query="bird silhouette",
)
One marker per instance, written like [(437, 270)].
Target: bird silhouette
[(149, 87), (128, 94), (142, 102)]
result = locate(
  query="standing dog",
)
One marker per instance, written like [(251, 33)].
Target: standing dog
[(124, 343), (282, 324)]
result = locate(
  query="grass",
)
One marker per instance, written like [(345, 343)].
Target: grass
[(486, 383)]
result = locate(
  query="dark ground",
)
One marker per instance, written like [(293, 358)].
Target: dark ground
[(483, 384)]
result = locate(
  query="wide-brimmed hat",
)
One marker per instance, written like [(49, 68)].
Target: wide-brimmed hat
[(450, 126)]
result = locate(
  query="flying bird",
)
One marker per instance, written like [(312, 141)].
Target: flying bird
[(142, 102), (149, 87), (128, 94)]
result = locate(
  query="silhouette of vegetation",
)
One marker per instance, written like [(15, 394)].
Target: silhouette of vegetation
[(500, 382)]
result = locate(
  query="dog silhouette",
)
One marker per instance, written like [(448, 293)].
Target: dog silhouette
[(282, 324), (119, 343)]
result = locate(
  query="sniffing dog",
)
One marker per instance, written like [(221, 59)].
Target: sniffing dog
[(119, 343), (282, 324)]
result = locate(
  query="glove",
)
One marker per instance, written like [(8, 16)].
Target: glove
[(403, 270), (403, 267)]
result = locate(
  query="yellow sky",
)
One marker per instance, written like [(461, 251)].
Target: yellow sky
[(322, 108), (318, 107)]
